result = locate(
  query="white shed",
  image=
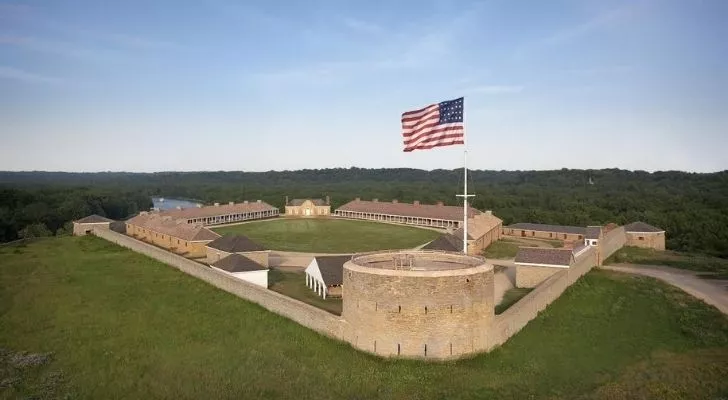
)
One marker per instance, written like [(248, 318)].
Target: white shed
[(243, 268)]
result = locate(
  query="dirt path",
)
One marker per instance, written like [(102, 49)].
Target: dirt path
[(712, 292)]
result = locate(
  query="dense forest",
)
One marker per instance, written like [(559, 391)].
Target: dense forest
[(691, 207)]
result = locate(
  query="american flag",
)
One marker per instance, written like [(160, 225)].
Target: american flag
[(436, 125)]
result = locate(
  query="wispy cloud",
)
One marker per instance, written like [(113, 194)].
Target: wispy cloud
[(599, 21), (362, 26), (600, 70), (575, 32), (141, 42), (25, 76), (495, 89), (60, 48)]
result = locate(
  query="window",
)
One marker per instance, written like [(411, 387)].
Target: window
[(564, 236), (551, 234), (641, 238), (533, 233)]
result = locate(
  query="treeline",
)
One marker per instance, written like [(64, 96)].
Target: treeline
[(691, 207)]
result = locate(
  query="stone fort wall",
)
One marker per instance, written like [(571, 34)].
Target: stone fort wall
[(518, 315), (611, 242), (300, 312), (450, 312), (436, 314)]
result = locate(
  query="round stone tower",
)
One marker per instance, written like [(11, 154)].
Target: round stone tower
[(424, 304)]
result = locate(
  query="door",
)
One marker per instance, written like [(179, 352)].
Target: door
[(308, 211)]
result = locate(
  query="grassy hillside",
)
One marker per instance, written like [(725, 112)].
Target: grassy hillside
[(105, 323), (330, 235)]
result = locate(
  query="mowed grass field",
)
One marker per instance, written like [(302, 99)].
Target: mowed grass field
[(121, 325), (330, 235)]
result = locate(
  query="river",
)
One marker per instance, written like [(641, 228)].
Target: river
[(164, 203)]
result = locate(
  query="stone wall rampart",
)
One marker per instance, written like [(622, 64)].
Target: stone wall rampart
[(611, 242)]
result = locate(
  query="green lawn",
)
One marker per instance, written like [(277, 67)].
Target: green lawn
[(713, 267), (118, 324), (293, 284), (510, 297), (330, 235), (501, 249)]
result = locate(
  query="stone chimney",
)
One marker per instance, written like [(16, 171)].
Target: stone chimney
[(416, 202), (231, 203), (143, 213), (375, 200), (258, 201), (488, 212), (328, 200), (245, 202), (357, 199), (439, 203), (395, 201), (179, 207), (286, 200), (217, 204)]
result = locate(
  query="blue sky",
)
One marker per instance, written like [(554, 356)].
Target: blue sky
[(276, 85)]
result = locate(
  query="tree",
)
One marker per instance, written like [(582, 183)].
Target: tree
[(34, 231)]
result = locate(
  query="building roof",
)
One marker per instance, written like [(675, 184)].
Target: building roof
[(238, 263), (222, 209), (479, 225), (434, 211), (575, 230), (235, 244), (593, 232), (177, 229), (544, 256), (642, 227), (332, 269), (93, 219), (298, 202), (445, 242)]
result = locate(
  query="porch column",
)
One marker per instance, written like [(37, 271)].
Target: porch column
[(324, 290)]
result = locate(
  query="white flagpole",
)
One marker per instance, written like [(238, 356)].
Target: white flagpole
[(465, 194)]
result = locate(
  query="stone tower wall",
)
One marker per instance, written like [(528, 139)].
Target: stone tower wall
[(420, 314)]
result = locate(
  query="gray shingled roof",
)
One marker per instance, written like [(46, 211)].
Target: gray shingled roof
[(332, 269), (576, 230), (235, 244), (93, 219), (642, 227), (593, 232), (448, 213), (445, 242), (543, 255), (238, 263)]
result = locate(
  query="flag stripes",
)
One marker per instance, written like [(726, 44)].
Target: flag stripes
[(434, 126)]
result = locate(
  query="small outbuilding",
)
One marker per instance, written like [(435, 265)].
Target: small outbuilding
[(236, 244), (243, 268), (86, 225), (640, 234), (445, 242), (535, 264), (325, 275)]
